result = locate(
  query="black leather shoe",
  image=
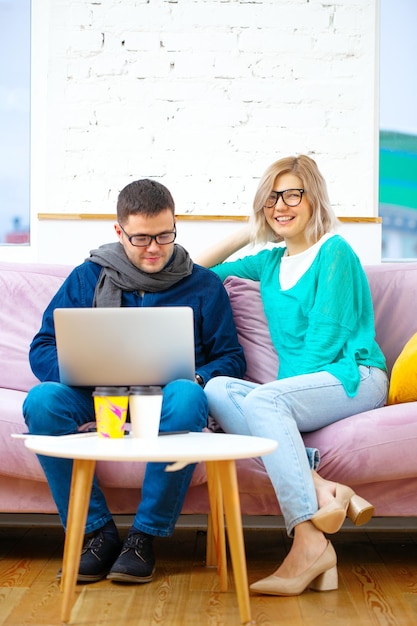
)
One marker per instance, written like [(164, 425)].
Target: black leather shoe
[(136, 563), (97, 556)]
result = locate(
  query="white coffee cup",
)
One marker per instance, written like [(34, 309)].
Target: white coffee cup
[(145, 410)]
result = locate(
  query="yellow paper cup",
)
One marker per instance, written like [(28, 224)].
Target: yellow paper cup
[(110, 406)]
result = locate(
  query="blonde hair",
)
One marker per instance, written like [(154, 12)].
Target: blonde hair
[(323, 219)]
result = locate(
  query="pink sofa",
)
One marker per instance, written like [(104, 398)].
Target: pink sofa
[(374, 452)]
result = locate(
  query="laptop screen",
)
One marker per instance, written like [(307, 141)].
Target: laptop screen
[(124, 346)]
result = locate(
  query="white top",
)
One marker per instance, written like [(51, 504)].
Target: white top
[(178, 449), (295, 266)]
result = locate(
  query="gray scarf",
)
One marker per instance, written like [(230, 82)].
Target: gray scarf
[(119, 274)]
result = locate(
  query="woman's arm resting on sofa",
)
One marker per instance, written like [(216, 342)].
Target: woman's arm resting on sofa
[(221, 250)]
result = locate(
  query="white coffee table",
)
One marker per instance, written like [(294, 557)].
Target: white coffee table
[(219, 451)]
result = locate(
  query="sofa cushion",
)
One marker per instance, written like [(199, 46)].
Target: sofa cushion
[(373, 446), (252, 329), (26, 290), (14, 458), (403, 383), (394, 293)]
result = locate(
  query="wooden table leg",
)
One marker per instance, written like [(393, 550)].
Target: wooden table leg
[(82, 479), (216, 527), (228, 479)]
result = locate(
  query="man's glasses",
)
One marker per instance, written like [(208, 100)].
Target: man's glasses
[(141, 241), (290, 197)]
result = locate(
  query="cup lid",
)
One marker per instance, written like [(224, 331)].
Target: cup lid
[(145, 390), (110, 391)]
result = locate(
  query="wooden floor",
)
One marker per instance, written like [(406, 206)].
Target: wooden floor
[(377, 584)]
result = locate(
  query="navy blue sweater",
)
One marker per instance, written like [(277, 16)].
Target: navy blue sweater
[(217, 351)]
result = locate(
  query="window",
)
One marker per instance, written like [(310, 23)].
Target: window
[(398, 129), (14, 121)]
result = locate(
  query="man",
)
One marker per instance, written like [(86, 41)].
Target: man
[(144, 268)]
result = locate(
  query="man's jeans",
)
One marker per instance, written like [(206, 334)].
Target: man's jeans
[(283, 409), (55, 409)]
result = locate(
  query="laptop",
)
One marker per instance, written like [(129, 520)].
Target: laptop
[(124, 346)]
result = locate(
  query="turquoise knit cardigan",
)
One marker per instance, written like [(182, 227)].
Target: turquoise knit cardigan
[(325, 322)]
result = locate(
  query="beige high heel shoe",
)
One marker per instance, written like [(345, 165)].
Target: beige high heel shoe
[(346, 502), (321, 576)]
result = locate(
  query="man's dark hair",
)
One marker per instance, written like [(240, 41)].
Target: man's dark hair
[(145, 196)]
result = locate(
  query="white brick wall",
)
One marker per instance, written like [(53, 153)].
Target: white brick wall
[(204, 94)]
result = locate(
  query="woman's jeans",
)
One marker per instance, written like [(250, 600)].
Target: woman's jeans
[(283, 409), (55, 409)]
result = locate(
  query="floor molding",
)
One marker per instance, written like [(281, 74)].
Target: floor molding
[(199, 522)]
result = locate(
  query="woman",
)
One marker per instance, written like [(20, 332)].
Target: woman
[(319, 310)]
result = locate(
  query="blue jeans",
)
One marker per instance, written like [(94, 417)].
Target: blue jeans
[(283, 409), (55, 409)]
